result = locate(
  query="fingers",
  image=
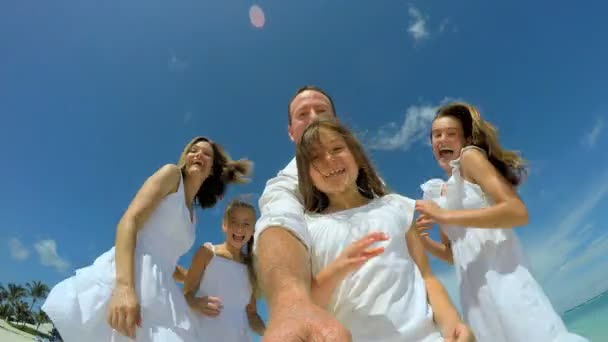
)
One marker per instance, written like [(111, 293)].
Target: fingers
[(367, 241), (131, 321)]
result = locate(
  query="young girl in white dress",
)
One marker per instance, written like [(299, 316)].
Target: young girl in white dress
[(379, 294), (476, 209), (221, 285), (128, 293)]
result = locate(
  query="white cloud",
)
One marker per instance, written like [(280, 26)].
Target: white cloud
[(590, 138), (47, 251), (417, 28), (18, 251), (415, 128), (561, 256)]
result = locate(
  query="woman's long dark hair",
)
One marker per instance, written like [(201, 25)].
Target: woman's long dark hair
[(223, 172), (484, 135)]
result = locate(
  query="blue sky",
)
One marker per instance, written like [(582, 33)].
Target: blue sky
[(94, 97)]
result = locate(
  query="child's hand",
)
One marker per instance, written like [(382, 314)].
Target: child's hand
[(208, 306), (357, 253), (459, 333), (431, 210), (423, 224)]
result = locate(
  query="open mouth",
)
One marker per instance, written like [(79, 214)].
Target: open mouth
[(238, 238), (335, 172), (446, 152), (197, 163)]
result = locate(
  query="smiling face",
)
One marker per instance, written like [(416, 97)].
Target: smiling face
[(304, 109), (447, 139), (333, 168), (199, 159), (238, 225)]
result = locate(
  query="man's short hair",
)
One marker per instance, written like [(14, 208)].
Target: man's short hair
[(313, 88)]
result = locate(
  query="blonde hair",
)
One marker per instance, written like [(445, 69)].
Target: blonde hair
[(484, 135), (224, 171), (247, 257), (368, 181)]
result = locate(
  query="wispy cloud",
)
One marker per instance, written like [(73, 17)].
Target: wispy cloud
[(17, 250), (562, 258), (590, 138), (417, 28), (414, 128), (47, 251)]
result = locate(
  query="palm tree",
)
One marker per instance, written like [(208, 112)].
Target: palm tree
[(5, 307), (37, 290), (40, 317), (15, 294)]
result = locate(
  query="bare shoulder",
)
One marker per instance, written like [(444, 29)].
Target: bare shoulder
[(168, 177), (473, 156)]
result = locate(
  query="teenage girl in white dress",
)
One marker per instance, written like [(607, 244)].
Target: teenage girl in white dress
[(476, 209)]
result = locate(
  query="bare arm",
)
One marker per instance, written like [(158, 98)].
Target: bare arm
[(283, 267), (445, 313), (255, 321), (508, 210), (200, 260), (160, 184), (441, 250), (352, 258)]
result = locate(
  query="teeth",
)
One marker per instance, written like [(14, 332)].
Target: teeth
[(334, 172)]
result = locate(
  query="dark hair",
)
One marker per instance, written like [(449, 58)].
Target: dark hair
[(312, 88), (246, 256), (368, 181), (484, 135), (223, 172)]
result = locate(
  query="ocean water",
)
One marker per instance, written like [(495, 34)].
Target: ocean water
[(590, 320)]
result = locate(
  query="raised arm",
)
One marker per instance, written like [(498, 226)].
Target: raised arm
[(123, 313), (445, 314), (352, 258), (284, 269), (508, 209)]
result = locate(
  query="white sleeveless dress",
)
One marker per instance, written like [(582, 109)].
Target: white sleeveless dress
[(229, 281), (385, 300), (78, 305), (500, 299)]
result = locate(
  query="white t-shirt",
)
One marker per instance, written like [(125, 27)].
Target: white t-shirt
[(385, 300), (281, 205)]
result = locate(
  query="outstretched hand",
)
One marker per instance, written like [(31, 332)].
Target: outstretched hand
[(358, 253)]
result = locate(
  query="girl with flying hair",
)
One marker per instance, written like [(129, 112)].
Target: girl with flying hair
[(128, 293), (476, 209), (221, 283), (371, 270)]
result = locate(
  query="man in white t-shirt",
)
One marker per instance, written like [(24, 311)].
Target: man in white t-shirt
[(282, 245), (282, 241)]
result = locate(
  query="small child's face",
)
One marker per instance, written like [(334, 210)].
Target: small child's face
[(447, 139), (239, 226), (333, 168)]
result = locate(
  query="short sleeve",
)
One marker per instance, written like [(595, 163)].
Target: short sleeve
[(281, 205), (406, 207)]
